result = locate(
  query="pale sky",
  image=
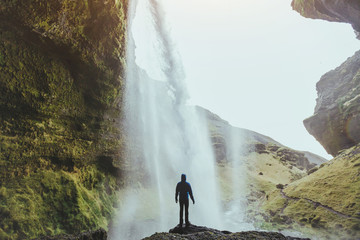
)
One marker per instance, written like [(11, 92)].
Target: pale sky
[(255, 63)]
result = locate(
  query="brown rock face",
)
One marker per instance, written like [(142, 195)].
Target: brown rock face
[(332, 10), (336, 121)]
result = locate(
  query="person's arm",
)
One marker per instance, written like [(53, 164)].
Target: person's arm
[(191, 194), (176, 193)]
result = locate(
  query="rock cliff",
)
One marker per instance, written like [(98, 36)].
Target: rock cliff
[(335, 123), (61, 67)]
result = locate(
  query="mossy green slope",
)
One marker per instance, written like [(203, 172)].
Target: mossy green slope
[(61, 68), (325, 203)]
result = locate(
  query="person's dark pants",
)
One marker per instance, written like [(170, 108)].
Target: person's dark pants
[(182, 204)]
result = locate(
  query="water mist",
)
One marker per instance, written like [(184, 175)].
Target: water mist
[(235, 210)]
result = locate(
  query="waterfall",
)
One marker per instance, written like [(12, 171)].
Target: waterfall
[(165, 137)]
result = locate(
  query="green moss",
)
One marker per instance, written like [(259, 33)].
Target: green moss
[(275, 202), (299, 209), (61, 67), (48, 203), (335, 185)]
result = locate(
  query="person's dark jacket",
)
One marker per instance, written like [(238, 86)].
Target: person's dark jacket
[(183, 190)]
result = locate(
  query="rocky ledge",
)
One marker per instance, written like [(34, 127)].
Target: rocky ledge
[(193, 232)]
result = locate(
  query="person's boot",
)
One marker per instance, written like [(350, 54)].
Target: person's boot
[(187, 224)]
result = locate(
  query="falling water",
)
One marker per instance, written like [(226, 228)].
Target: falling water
[(235, 210), (165, 136)]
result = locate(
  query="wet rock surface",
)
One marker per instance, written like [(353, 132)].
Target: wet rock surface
[(194, 232)]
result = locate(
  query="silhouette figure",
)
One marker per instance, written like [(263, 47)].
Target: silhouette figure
[(183, 189)]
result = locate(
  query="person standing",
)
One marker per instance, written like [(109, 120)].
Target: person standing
[(183, 190)]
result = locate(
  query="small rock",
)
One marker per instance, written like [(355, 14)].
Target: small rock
[(312, 170)]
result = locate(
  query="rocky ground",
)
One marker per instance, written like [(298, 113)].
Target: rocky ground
[(203, 233)]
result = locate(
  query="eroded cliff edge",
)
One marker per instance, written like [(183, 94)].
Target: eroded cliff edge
[(61, 80), (331, 10)]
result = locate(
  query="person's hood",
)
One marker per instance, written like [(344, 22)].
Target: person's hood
[(183, 177)]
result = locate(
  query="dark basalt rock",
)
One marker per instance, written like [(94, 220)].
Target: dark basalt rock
[(193, 232), (99, 234), (295, 158), (194, 229)]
